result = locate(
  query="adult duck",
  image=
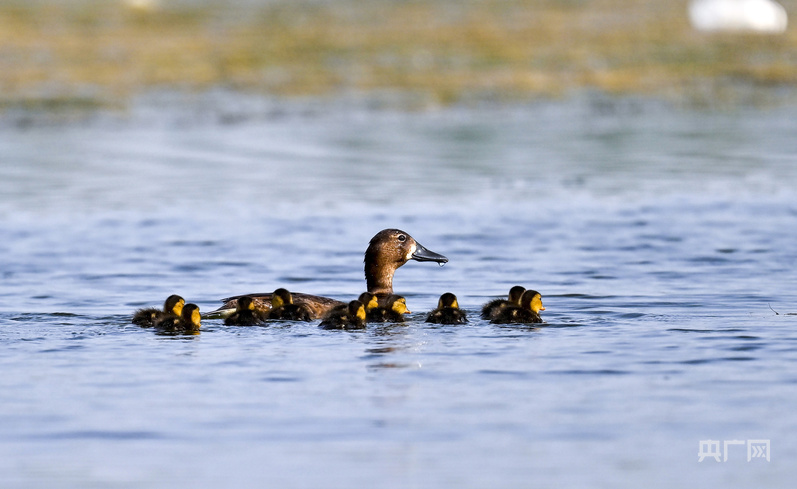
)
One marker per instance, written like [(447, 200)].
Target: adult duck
[(388, 250)]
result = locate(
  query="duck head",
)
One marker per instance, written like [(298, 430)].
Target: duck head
[(397, 304), (369, 300), (515, 293), (447, 300), (388, 250), (357, 310), (281, 297), (245, 303), (532, 300), (190, 316), (174, 304)]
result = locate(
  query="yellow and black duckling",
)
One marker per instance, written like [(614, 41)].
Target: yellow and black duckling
[(282, 307), (246, 313), (392, 311), (527, 312), (187, 322), (492, 308), (448, 311), (387, 251), (347, 316), (370, 301), (150, 316)]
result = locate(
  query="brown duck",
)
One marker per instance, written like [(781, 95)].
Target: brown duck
[(387, 251)]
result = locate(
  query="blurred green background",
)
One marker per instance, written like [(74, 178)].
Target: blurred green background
[(94, 53)]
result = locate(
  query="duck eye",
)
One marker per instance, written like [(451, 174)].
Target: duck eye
[(402, 238)]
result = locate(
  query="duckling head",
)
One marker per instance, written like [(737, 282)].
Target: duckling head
[(246, 303), (174, 304), (281, 297), (369, 300), (387, 251), (532, 300), (357, 309), (191, 316), (515, 293), (398, 304), (448, 300)]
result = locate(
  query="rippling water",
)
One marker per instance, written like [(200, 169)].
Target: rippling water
[(662, 240)]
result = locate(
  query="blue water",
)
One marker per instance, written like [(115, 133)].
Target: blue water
[(661, 238)]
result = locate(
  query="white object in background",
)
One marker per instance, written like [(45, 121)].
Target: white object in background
[(142, 5), (765, 16)]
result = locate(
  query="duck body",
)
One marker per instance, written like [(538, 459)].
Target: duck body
[(448, 311), (150, 316), (527, 312), (492, 308), (246, 314), (388, 250), (316, 305), (187, 322), (347, 316)]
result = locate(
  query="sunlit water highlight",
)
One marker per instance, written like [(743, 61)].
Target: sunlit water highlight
[(662, 240)]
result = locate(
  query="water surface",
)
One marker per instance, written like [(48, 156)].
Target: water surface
[(662, 240)]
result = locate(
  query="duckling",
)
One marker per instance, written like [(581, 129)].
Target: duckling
[(527, 312), (370, 301), (392, 312), (388, 250), (282, 307), (349, 316), (448, 311), (187, 322), (149, 316), (492, 308), (246, 313)]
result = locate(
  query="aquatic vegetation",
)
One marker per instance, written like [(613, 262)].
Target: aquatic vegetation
[(441, 51)]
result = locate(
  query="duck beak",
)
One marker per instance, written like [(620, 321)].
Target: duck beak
[(422, 254)]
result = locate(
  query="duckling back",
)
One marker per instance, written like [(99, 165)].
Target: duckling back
[(448, 311), (492, 308), (527, 312), (150, 316), (188, 321), (349, 316)]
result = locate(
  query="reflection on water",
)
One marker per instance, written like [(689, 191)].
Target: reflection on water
[(659, 240)]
